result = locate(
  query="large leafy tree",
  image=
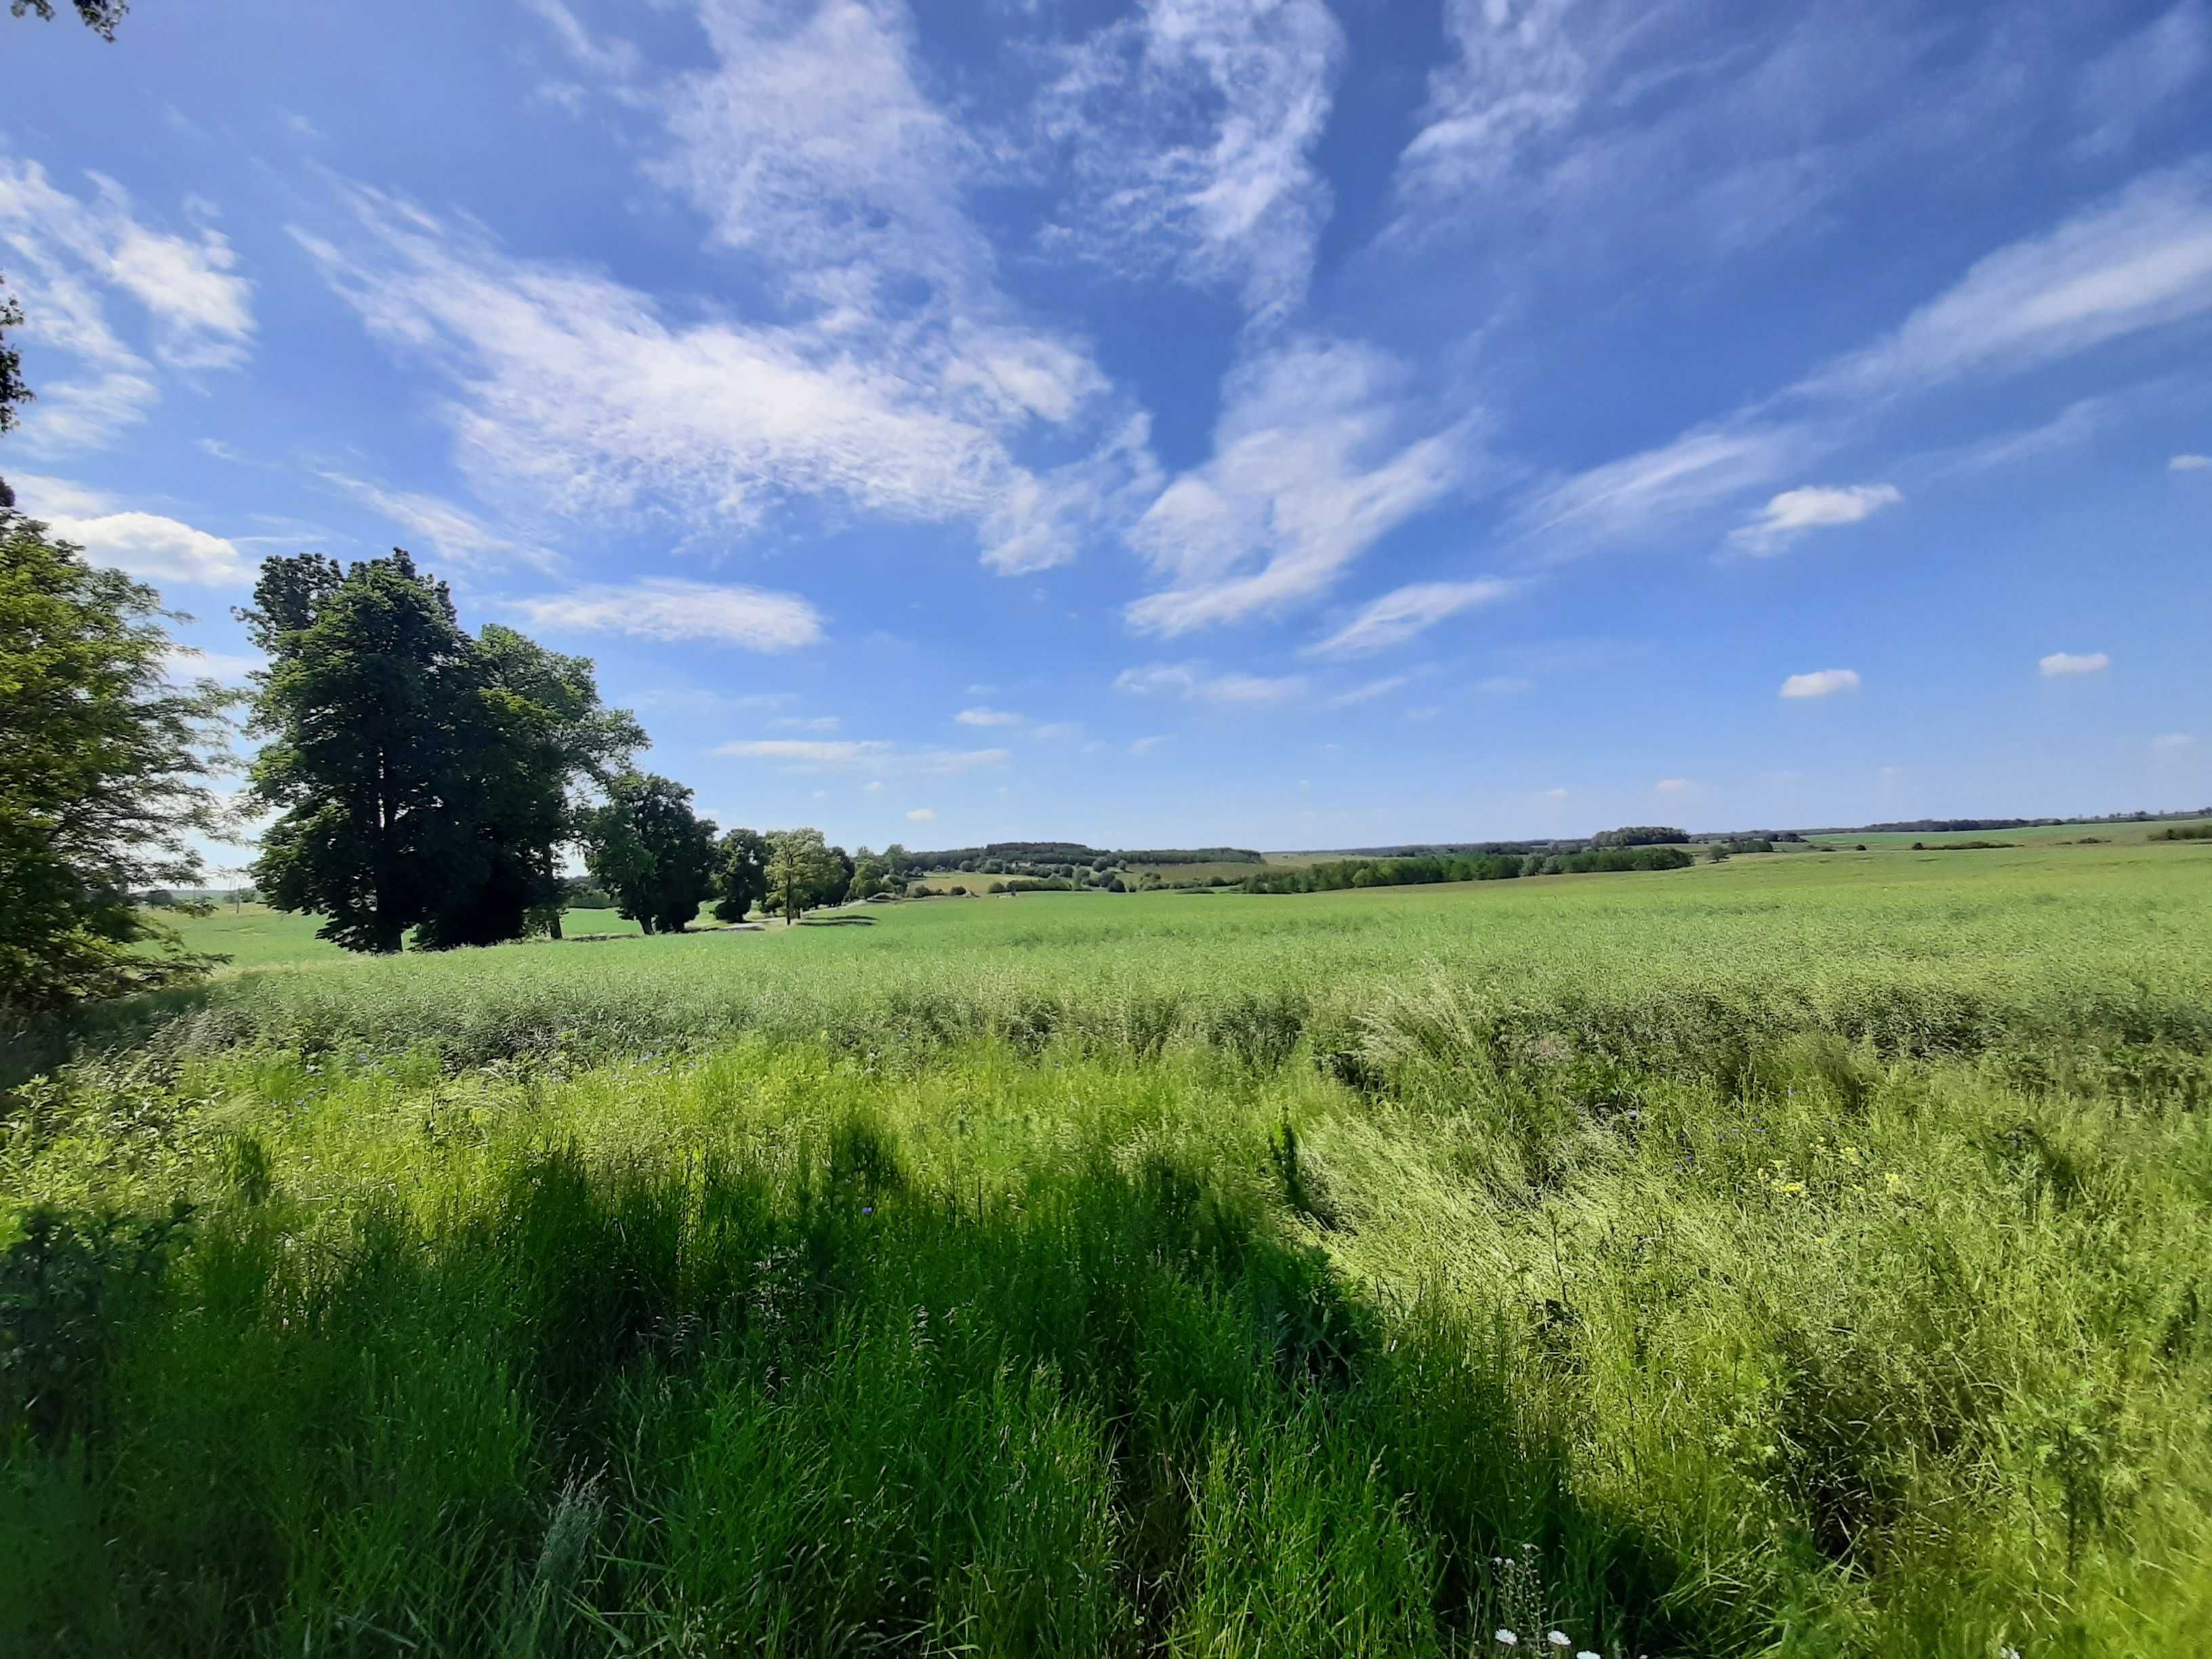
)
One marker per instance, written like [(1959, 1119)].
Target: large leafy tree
[(651, 851), (536, 732), (105, 769), (740, 875), (424, 777), (803, 872)]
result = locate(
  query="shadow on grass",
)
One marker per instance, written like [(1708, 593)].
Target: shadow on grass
[(718, 1409)]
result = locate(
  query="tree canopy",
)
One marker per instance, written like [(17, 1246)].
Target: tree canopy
[(648, 849), (804, 872), (424, 777), (105, 768), (740, 875)]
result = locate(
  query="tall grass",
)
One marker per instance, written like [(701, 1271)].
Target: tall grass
[(1768, 1293)]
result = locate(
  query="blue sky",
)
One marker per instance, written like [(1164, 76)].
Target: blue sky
[(1291, 424)]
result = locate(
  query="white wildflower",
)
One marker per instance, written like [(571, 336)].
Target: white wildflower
[(1506, 1639)]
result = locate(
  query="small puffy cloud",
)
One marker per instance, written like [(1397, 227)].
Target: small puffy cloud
[(1821, 682), (2061, 663), (1674, 786), (2172, 742), (1814, 506), (669, 609), (1398, 614), (1146, 746), (922, 815), (1555, 794), (2189, 463), (1056, 731), (806, 750), (987, 717), (158, 549), (806, 723)]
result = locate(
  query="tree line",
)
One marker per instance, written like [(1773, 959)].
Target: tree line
[(1498, 866)]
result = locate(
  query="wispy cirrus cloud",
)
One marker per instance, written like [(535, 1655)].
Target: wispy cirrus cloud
[(71, 255), (870, 756), (672, 609), (1192, 681), (899, 380), (982, 716), (2138, 261), (1322, 450), (451, 531), (1191, 126), (1400, 614)]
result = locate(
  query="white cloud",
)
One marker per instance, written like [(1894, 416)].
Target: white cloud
[(1814, 507), (1674, 786), (1516, 76), (607, 56), (1620, 501), (672, 609), (2172, 741), (1320, 451), (1146, 746), (1400, 614), (1821, 682), (2128, 86), (806, 723), (2189, 463), (1555, 794), (852, 755), (922, 815), (2137, 260), (1195, 682), (2067, 662), (987, 717), (1056, 731), (159, 549), (453, 531), (1369, 691), (69, 255), (1190, 126), (875, 784)]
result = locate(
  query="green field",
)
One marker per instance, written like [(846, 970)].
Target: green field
[(1799, 1255), (2124, 833)]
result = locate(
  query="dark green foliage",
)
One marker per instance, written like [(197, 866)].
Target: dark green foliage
[(1639, 834), (100, 16), (67, 1287), (424, 777), (13, 392), (2178, 832), (740, 875), (104, 770), (1423, 872), (651, 851)]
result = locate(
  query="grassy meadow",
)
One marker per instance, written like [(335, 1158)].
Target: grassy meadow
[(1804, 1255)]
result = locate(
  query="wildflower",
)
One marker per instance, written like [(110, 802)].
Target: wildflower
[(1558, 1638), (1506, 1639), (1584, 1653)]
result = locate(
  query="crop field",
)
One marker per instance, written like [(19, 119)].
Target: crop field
[(1804, 1255)]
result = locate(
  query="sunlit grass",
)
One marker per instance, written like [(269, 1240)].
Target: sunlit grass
[(1800, 1257)]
